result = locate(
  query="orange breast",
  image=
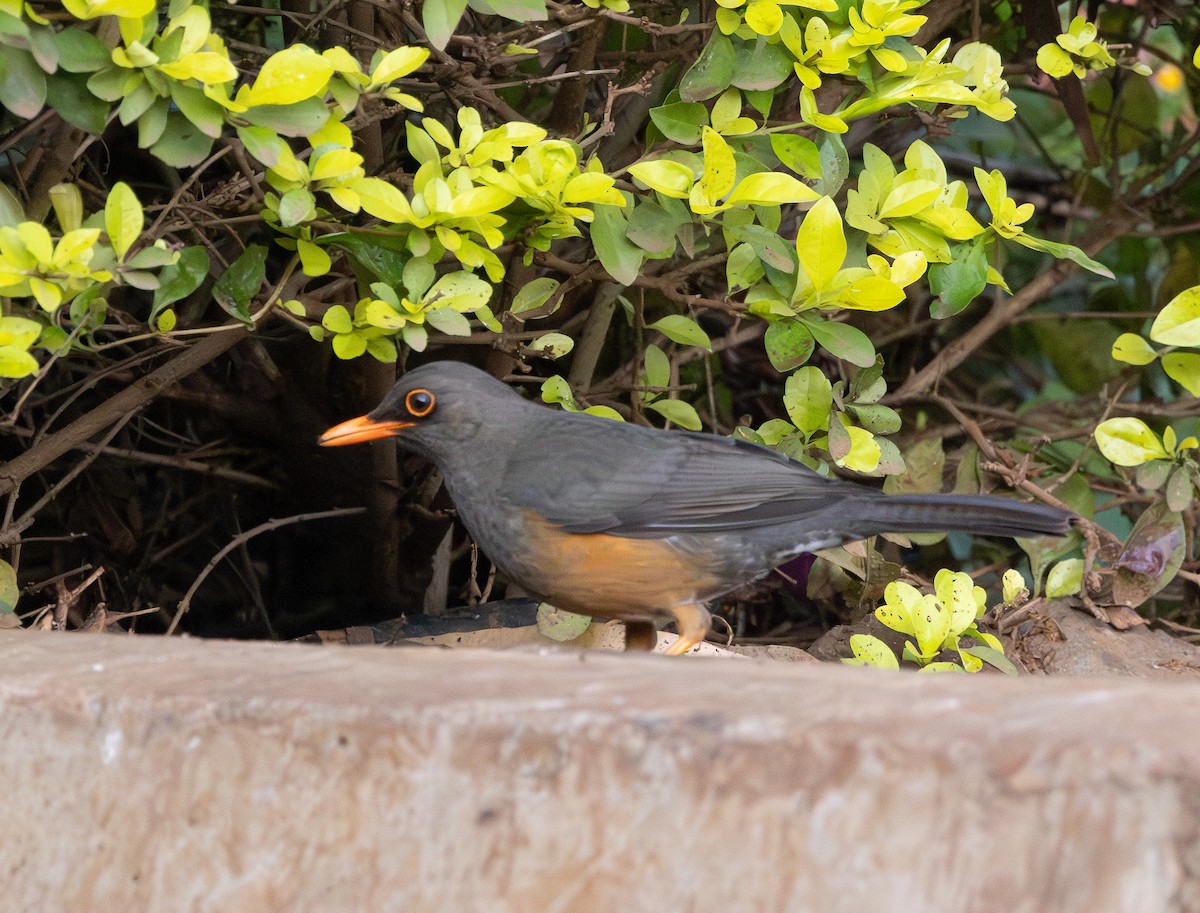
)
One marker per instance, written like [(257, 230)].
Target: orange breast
[(609, 576)]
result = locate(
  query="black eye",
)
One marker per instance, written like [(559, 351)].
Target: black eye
[(419, 403)]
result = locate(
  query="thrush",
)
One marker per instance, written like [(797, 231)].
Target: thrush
[(622, 521)]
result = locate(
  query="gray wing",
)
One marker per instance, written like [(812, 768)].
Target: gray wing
[(635, 481)]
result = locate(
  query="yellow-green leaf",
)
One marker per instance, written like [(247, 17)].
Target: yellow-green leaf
[(396, 64), (670, 178), (1178, 324), (1014, 587), (314, 261), (821, 243), (683, 330), (871, 651), (931, 624), (91, 9), (1065, 578), (1184, 369), (552, 345), (900, 600), (909, 198), (208, 67), (288, 76), (719, 166), (1133, 350), (68, 206), (771, 187), (560, 625), (382, 200), (865, 451), (1129, 442), (123, 220), (16, 362)]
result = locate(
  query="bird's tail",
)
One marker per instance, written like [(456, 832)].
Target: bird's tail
[(984, 515)]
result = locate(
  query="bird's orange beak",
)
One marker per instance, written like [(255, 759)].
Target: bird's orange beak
[(359, 430)]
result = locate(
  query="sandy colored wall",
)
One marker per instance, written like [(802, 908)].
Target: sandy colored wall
[(146, 774)]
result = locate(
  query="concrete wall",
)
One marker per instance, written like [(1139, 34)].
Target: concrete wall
[(143, 774)]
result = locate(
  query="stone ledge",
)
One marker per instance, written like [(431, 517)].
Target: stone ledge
[(178, 775)]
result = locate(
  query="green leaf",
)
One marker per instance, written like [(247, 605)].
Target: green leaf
[(821, 244), (10, 592), (680, 122), (380, 261), (123, 219), (621, 258), (1184, 369), (182, 144), (533, 295), (842, 340), (835, 164), (682, 330), (808, 397), (657, 371), (653, 228), (152, 258), (80, 51), (993, 658), (242, 281), (678, 412), (768, 246), (1129, 442), (712, 72), (22, 84), (789, 344), (1180, 491), (301, 118), (876, 418), (296, 207), (198, 108), (179, 279), (1178, 324), (448, 321), (959, 282), (440, 18), (67, 94), (555, 623), (1064, 252), (798, 153), (759, 66)]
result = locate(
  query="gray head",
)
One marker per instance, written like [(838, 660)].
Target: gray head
[(435, 410)]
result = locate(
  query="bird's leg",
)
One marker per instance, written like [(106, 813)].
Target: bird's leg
[(691, 623), (640, 636)]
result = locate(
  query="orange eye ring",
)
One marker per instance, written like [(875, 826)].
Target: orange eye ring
[(419, 402)]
